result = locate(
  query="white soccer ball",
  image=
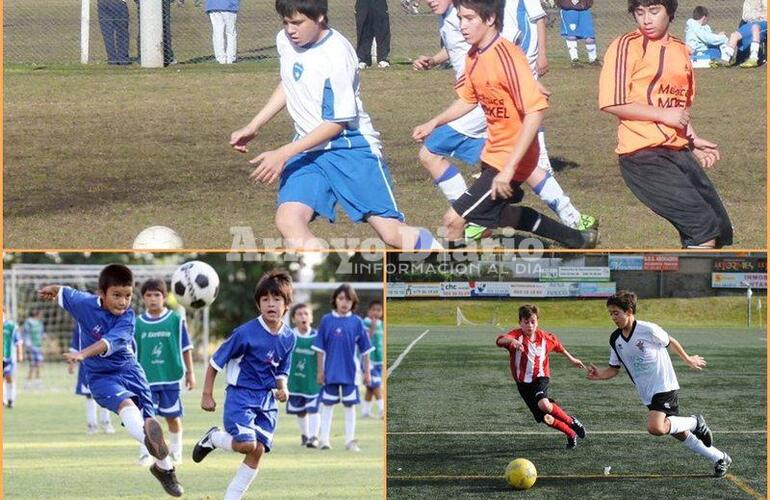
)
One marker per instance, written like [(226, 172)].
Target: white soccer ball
[(195, 284), (158, 238)]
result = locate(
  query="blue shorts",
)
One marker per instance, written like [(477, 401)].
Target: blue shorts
[(745, 32), (250, 415), (111, 389), (9, 367), (709, 54), (34, 355), (330, 394), (355, 178), (167, 402), (446, 141), (376, 372), (81, 386), (302, 404), (577, 23)]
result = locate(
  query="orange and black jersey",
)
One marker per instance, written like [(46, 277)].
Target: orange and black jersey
[(653, 72)]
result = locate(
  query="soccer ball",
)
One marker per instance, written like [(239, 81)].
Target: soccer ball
[(158, 238), (195, 284), (521, 474)]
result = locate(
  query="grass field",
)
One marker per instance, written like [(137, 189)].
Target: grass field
[(455, 419), (46, 454)]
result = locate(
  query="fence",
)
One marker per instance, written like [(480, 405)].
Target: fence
[(48, 31)]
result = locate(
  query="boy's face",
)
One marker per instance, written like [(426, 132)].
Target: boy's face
[(303, 30), (303, 317), (473, 28), (153, 300), (704, 20), (117, 299), (620, 317), (653, 20), (272, 307), (375, 312), (528, 325), (439, 6), (343, 303)]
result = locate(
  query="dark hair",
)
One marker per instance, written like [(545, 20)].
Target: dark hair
[(624, 300), (154, 285), (485, 9), (527, 311), (115, 275), (700, 12), (347, 290), (669, 5), (375, 302), (276, 282), (297, 307), (313, 9)]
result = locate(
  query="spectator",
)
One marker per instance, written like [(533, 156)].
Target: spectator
[(743, 45), (372, 22), (113, 22), (224, 37), (705, 45), (577, 23)]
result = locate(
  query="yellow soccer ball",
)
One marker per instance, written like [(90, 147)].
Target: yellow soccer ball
[(521, 474)]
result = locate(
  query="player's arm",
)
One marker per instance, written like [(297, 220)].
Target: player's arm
[(95, 349), (20, 351), (320, 359), (573, 360), (706, 152), (189, 376), (428, 62), (207, 398), (542, 57), (677, 118), (594, 373), (49, 293), (454, 111), (695, 362), (274, 105), (367, 370), (506, 342), (281, 392), (501, 185)]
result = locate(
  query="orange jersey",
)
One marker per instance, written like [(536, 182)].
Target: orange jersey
[(498, 77), (654, 72)]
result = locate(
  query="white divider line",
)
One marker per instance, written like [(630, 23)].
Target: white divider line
[(538, 433), (401, 356)]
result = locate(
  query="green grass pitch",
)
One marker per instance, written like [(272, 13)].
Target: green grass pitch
[(47, 454)]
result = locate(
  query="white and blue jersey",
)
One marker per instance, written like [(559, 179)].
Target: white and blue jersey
[(578, 24), (81, 386), (519, 26), (253, 359), (11, 341)]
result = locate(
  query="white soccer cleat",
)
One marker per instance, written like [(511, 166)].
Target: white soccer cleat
[(353, 446), (107, 428), (92, 429), (383, 64)]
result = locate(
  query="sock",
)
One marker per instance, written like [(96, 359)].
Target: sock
[(381, 405), (327, 412), (350, 423), (164, 464), (425, 241), (680, 424), (591, 49), (572, 49), (132, 421), (559, 414), (728, 53), (532, 221), (222, 440), (754, 48), (562, 427), (366, 407), (91, 407), (698, 447), (543, 161), (314, 424), (175, 441), (451, 183), (302, 424), (143, 451), (12, 391), (553, 195), (241, 482), (104, 416)]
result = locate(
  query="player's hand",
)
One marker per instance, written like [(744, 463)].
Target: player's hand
[(578, 364), (70, 367), (543, 89), (696, 362), (593, 372), (675, 117), (241, 137), (72, 357), (501, 185), (420, 132), (423, 63), (269, 166), (281, 395), (367, 379), (542, 64), (48, 292), (319, 378), (189, 381), (208, 403), (706, 152)]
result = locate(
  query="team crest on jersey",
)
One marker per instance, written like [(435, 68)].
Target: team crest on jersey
[(297, 71), (338, 332), (157, 351), (96, 332), (640, 345)]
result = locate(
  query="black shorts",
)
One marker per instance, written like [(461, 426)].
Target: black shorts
[(666, 402), (674, 185), (533, 392), (476, 204)]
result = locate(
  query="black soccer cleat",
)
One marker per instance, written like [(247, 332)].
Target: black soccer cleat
[(153, 439), (720, 468), (304, 440), (204, 446), (168, 480), (578, 427), (702, 430), (589, 238), (571, 442), (313, 442)]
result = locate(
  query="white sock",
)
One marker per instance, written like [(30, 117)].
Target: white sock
[(91, 408), (591, 49), (302, 423), (6, 391), (698, 447), (241, 482), (143, 451), (754, 48), (553, 195), (728, 53), (104, 416), (314, 424), (572, 49), (543, 161), (366, 408), (164, 464), (327, 412), (350, 423), (451, 183), (222, 440), (681, 424), (132, 421), (175, 441), (381, 405)]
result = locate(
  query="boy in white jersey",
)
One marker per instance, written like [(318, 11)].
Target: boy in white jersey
[(336, 156), (640, 347), (464, 137)]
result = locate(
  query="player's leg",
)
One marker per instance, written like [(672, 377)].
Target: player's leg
[(569, 20), (314, 422), (588, 34), (364, 34), (304, 427), (350, 398), (330, 396), (231, 37), (245, 474), (376, 387), (446, 176), (297, 405), (92, 410), (446, 142), (754, 35), (175, 438), (105, 421), (169, 406), (381, 31), (380, 402), (218, 35), (545, 186), (551, 414), (9, 384), (731, 47), (366, 404)]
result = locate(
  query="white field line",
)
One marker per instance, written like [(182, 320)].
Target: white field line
[(542, 433), (401, 356)]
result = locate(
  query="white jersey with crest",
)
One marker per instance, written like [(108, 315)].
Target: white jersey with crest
[(645, 357), (519, 26), (322, 83)]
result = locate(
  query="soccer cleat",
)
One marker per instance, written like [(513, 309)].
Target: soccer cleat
[(9, 404), (595, 62), (702, 430), (721, 466), (590, 238), (145, 461), (353, 446), (92, 429), (572, 442), (304, 440), (168, 480), (362, 65), (153, 439), (474, 232), (176, 458), (750, 63), (578, 427), (325, 446), (575, 63), (383, 64), (312, 442), (587, 222), (107, 428), (204, 446)]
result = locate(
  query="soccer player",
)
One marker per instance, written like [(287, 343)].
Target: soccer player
[(497, 77), (13, 351), (339, 333), (577, 23), (743, 45), (256, 359), (464, 137), (33, 333), (336, 156), (95, 414), (164, 350), (529, 348), (303, 386), (113, 375), (374, 327), (648, 83), (641, 348)]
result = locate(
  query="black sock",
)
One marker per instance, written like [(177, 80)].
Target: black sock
[(532, 221)]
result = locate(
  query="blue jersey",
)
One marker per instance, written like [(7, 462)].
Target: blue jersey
[(253, 357), (96, 324), (338, 336)]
